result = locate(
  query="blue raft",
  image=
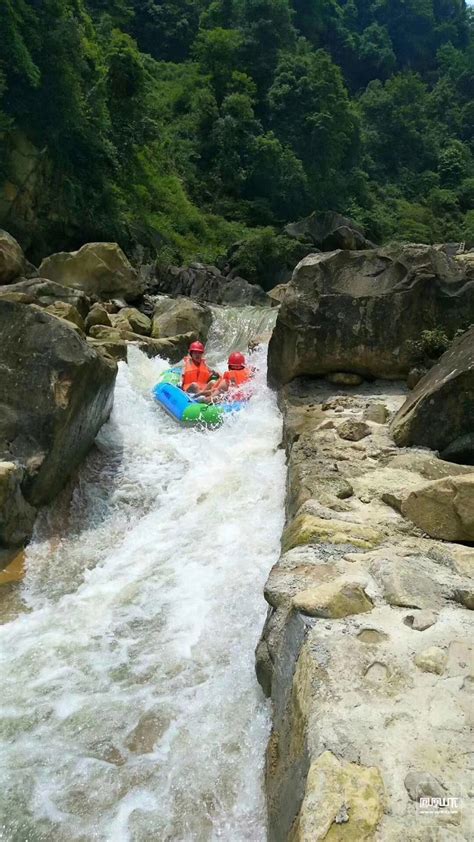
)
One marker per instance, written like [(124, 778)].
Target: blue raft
[(183, 408)]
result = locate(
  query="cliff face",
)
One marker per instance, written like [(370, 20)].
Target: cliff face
[(365, 649)]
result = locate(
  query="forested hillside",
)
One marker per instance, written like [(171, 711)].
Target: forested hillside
[(184, 125)]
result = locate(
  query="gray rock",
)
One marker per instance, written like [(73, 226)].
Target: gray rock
[(377, 413), (181, 316), (409, 582), (139, 323), (421, 621), (361, 312), (97, 315), (352, 430), (329, 231), (203, 284), (440, 409), (100, 269), (44, 292), (423, 785), (55, 394), (12, 259)]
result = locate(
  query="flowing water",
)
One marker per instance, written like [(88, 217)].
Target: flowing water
[(129, 706)]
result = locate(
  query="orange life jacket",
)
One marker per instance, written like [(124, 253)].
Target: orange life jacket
[(237, 376), (193, 373)]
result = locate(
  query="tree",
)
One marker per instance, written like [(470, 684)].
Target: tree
[(165, 29), (277, 176), (398, 134), (218, 52), (311, 112), (267, 28)]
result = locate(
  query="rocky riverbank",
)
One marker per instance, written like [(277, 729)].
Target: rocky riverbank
[(63, 327), (366, 649)]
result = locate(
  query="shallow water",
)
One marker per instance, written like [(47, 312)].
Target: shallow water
[(129, 705)]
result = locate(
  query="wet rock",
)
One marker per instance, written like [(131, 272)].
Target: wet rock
[(382, 298), (421, 621), (16, 515), (423, 785), (377, 413), (444, 508), (100, 269), (182, 316), (150, 728), (433, 659), (439, 411), (339, 598), (97, 315), (344, 378), (353, 430), (342, 801), (139, 323), (55, 392), (12, 259), (105, 750), (66, 311), (307, 529)]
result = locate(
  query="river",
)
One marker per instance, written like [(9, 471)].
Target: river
[(129, 704)]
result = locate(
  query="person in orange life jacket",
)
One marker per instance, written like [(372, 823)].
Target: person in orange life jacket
[(196, 374), (236, 375)]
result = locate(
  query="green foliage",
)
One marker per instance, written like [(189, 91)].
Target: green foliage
[(183, 125), (430, 346), (264, 255)]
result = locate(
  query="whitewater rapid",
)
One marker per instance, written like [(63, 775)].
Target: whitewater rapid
[(129, 706)]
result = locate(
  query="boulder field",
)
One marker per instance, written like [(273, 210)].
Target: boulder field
[(366, 651)]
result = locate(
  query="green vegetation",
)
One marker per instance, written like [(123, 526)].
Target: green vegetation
[(183, 126)]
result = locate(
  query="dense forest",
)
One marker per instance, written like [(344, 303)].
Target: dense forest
[(187, 125)]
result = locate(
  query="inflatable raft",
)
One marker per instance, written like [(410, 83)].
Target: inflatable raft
[(184, 408)]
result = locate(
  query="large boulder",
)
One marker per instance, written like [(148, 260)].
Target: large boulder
[(44, 292), (100, 269), (205, 283), (439, 412), (12, 259), (329, 231), (444, 508), (181, 316), (362, 311), (55, 394)]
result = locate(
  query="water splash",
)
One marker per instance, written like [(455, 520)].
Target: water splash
[(129, 705)]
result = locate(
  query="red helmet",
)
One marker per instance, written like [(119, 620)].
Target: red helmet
[(196, 346), (236, 360)]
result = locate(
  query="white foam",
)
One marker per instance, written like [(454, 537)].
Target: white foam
[(146, 597)]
